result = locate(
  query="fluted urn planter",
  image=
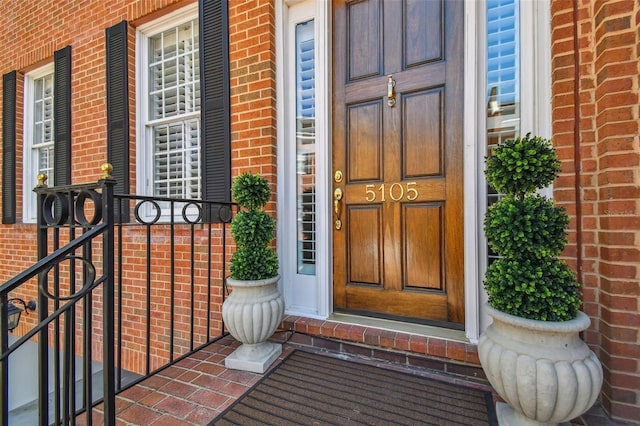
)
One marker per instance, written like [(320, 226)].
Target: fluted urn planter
[(542, 369), (252, 313)]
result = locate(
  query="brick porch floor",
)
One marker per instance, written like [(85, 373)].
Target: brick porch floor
[(191, 392), (198, 388)]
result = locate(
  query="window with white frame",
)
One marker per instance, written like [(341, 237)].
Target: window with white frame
[(38, 135), (169, 107)]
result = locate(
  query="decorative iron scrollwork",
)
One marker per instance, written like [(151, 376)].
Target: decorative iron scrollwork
[(188, 208), (89, 281), (55, 209), (139, 217), (81, 218), (225, 214)]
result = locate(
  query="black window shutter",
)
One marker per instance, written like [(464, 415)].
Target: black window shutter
[(215, 143), (62, 116), (9, 82), (118, 112)]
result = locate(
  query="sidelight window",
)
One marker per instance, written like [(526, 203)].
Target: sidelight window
[(305, 147), (502, 79)]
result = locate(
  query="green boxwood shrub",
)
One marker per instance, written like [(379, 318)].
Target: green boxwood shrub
[(252, 230), (522, 166), (528, 232), (533, 226), (251, 191), (542, 289), (254, 263)]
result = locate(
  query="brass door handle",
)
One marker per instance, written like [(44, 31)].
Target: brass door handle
[(337, 197), (391, 92)]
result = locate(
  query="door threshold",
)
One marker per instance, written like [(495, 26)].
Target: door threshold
[(409, 343), (399, 326)]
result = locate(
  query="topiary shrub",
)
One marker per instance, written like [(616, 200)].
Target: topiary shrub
[(252, 230), (528, 232), (522, 166)]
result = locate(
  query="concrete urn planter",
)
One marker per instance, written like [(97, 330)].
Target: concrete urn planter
[(543, 370), (251, 314)]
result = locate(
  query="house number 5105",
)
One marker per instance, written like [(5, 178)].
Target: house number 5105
[(395, 191)]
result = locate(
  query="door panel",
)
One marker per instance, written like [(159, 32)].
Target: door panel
[(398, 234), (365, 141), (364, 42), (423, 246), (423, 43), (422, 133), (364, 235)]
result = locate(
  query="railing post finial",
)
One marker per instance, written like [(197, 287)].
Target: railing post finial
[(106, 169), (42, 179)]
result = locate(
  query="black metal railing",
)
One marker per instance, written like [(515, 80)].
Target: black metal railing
[(117, 301), (170, 263)]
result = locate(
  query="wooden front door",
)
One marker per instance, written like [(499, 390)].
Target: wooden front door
[(397, 159)]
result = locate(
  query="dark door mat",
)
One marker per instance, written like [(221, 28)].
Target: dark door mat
[(312, 389)]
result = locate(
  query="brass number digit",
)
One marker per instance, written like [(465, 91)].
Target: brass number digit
[(381, 189), (370, 194), (391, 191), (412, 191)]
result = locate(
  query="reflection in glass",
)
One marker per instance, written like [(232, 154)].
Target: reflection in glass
[(503, 78), (305, 148)]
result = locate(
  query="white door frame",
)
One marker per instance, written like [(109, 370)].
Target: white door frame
[(286, 165)]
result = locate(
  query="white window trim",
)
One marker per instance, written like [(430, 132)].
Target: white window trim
[(29, 161), (144, 166)]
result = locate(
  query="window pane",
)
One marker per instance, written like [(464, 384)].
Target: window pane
[(174, 73), (503, 78), (177, 159), (192, 137), (42, 126), (45, 161), (503, 74), (306, 147)]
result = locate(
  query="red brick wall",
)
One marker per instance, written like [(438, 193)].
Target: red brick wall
[(134, 301), (604, 239), (253, 88)]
